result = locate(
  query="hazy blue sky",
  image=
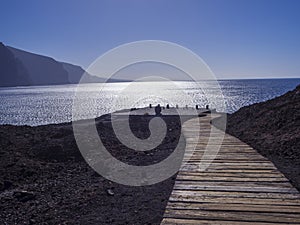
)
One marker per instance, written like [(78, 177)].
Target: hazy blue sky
[(237, 39)]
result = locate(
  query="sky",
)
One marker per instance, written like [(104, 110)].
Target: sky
[(236, 38)]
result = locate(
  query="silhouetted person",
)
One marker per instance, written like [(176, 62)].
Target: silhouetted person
[(177, 106), (150, 106), (158, 110), (168, 106), (197, 107), (207, 106)]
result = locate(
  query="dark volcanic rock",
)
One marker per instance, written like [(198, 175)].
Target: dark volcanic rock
[(44, 179), (273, 128), (5, 185), (24, 196)]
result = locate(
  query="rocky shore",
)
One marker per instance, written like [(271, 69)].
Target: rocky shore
[(273, 129), (45, 180)]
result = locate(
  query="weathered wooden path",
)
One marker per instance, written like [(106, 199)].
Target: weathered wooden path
[(239, 187)]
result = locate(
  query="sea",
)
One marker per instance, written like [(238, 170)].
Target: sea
[(40, 105)]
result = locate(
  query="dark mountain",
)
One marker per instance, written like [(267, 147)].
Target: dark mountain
[(19, 68), (12, 70), (75, 73), (42, 70)]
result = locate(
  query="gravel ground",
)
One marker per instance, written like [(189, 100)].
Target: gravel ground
[(44, 179)]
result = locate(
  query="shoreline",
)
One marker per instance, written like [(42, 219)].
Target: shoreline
[(45, 179)]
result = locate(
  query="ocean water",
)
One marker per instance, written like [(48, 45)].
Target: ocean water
[(41, 105)]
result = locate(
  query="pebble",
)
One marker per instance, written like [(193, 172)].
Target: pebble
[(110, 192), (24, 196)]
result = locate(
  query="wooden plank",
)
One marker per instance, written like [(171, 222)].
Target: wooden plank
[(234, 156), (235, 183), (207, 159), (236, 194), (233, 216), (238, 186), (227, 178), (238, 164), (233, 199), (235, 207), (231, 174), (177, 221), (210, 167), (252, 170)]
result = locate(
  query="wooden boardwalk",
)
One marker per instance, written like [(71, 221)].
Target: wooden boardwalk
[(239, 187)]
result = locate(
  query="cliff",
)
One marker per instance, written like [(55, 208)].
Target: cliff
[(75, 73), (21, 68), (42, 70), (12, 70)]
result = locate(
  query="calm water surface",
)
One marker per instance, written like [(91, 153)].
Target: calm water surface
[(53, 104)]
